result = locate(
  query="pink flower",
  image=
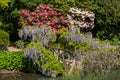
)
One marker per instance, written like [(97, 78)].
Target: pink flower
[(19, 22), (33, 14), (57, 31), (55, 20), (25, 12), (29, 25), (44, 15), (29, 18), (66, 21), (48, 23), (46, 6), (40, 23)]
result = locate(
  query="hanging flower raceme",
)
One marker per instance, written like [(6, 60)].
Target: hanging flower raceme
[(43, 34)]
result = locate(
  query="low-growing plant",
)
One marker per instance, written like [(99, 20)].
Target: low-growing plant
[(15, 61), (4, 39), (101, 61), (19, 44)]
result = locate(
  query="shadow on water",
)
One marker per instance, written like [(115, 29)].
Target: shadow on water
[(22, 77)]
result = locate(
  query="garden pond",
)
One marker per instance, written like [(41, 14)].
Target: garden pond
[(28, 76)]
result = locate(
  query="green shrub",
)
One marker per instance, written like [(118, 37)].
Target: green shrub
[(96, 55), (107, 17), (101, 61), (45, 60), (4, 38), (115, 40), (4, 4), (15, 61), (9, 16)]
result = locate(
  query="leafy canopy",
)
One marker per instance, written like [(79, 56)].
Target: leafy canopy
[(4, 4)]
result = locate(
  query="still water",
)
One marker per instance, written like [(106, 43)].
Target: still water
[(22, 77)]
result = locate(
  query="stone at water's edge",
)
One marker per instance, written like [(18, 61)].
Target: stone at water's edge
[(13, 49), (9, 72), (47, 73), (53, 75)]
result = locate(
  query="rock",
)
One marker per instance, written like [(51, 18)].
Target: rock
[(13, 49), (9, 72), (53, 75)]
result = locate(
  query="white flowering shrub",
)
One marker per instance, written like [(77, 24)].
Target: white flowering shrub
[(81, 18)]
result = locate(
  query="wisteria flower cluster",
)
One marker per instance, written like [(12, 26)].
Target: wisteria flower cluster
[(73, 34), (44, 15), (43, 34), (81, 18), (45, 61)]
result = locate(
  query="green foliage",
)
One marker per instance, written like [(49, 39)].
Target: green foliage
[(97, 55), (60, 5), (15, 61), (115, 40), (11, 61), (84, 46), (83, 40), (64, 5), (1, 20), (37, 49), (19, 44), (11, 16), (4, 4), (52, 64), (4, 38), (47, 61), (101, 61), (62, 40), (106, 22), (107, 17)]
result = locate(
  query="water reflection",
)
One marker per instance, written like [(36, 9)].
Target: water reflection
[(22, 77)]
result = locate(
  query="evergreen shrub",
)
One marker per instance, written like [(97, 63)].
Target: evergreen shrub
[(15, 61), (4, 39)]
